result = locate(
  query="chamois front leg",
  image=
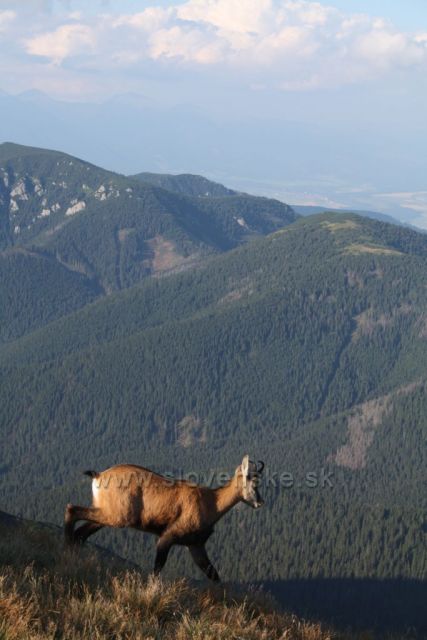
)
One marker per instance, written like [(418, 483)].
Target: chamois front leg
[(164, 545), (82, 533), (200, 557)]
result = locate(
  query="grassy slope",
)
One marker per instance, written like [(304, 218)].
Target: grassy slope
[(47, 592)]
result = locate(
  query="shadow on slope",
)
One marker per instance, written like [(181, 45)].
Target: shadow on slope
[(393, 606)]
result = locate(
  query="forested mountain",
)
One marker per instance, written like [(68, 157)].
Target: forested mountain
[(306, 348), (98, 232), (199, 186), (35, 289), (186, 183)]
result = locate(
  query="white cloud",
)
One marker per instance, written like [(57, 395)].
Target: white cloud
[(67, 40), (186, 44), (150, 20), (6, 17), (289, 44), (421, 38), (292, 41), (311, 13), (384, 48), (250, 16)]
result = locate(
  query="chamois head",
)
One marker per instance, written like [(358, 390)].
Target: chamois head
[(248, 474)]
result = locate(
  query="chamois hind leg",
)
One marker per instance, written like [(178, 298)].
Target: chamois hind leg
[(200, 557), (73, 514), (82, 533)]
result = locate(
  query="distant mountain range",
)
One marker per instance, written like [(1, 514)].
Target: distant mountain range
[(66, 221), (265, 155), (199, 186), (301, 340), (375, 215)]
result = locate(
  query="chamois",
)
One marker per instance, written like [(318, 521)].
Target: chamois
[(177, 511)]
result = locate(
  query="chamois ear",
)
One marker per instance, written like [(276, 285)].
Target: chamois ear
[(245, 466)]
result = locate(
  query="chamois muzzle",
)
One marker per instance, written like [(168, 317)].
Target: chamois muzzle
[(255, 500)]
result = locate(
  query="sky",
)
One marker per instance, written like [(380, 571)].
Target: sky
[(340, 72)]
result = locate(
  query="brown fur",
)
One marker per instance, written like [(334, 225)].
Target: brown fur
[(178, 512)]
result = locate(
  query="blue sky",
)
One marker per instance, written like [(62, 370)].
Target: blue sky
[(407, 14), (352, 72)]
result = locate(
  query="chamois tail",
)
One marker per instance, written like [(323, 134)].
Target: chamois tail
[(91, 474)]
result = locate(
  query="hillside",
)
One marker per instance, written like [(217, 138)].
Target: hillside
[(307, 349), (98, 232), (35, 289), (46, 592)]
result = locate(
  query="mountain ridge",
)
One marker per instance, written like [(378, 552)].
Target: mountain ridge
[(186, 183), (111, 231)]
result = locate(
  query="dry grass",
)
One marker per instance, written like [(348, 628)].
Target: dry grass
[(369, 321), (166, 259), (191, 430), (362, 424), (47, 592), (356, 249), (340, 226)]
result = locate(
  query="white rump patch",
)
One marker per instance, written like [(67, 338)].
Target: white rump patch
[(95, 491)]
